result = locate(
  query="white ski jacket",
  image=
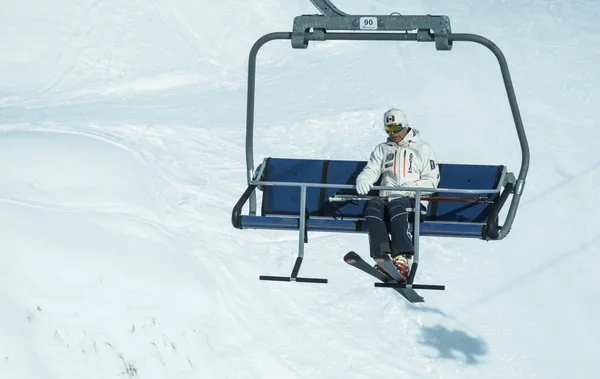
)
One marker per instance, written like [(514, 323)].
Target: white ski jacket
[(408, 163)]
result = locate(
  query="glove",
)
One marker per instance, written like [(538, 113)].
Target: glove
[(363, 187), (396, 194), (413, 193)]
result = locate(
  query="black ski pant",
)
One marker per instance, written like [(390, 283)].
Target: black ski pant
[(390, 218)]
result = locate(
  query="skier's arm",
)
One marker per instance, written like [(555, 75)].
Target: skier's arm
[(372, 170), (430, 171)]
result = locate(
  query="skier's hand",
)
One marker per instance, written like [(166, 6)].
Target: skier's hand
[(363, 187), (410, 183), (406, 193), (410, 194)]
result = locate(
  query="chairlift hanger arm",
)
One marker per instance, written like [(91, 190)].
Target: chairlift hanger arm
[(327, 8), (428, 27)]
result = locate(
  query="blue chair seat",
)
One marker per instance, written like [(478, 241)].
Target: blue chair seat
[(281, 204)]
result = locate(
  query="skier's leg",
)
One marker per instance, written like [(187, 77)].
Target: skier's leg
[(402, 239), (402, 212), (379, 241)]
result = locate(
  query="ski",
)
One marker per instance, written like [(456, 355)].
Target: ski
[(385, 262), (355, 260), (399, 286)]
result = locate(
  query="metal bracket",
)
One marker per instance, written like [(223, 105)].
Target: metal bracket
[(509, 179), (429, 28), (519, 187)]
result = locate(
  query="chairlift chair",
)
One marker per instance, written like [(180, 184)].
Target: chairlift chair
[(300, 194)]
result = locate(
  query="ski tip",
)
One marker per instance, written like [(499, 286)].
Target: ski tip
[(350, 257)]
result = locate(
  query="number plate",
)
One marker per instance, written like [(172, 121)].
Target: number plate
[(368, 23)]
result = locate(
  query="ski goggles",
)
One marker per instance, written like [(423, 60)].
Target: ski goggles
[(393, 128)]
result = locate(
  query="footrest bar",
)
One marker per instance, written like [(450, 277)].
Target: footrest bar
[(414, 286), (292, 279)]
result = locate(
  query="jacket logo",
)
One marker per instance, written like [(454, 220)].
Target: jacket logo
[(389, 157), (432, 164), (410, 162)]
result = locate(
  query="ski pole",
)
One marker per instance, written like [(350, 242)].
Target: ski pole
[(458, 199)]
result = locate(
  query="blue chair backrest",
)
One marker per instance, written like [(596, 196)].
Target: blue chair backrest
[(284, 200)]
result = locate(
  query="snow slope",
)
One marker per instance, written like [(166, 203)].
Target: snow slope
[(122, 154)]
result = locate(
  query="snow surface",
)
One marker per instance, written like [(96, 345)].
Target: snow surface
[(122, 155)]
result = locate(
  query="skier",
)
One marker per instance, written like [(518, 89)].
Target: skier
[(403, 160)]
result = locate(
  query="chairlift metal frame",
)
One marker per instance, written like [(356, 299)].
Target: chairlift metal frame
[(334, 24)]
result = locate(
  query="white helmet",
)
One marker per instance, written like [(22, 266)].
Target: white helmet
[(394, 120), (395, 116)]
